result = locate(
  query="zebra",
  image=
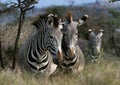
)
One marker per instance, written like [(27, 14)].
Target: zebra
[(95, 41), (73, 57), (39, 53)]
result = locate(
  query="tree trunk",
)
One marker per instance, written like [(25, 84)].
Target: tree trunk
[(1, 59), (21, 20)]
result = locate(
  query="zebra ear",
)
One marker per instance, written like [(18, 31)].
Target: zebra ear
[(100, 34), (50, 20), (90, 30), (92, 33), (83, 19), (53, 20)]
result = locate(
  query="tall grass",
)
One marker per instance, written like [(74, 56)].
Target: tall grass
[(104, 72)]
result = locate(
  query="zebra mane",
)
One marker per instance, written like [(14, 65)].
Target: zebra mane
[(46, 20), (69, 17), (40, 20)]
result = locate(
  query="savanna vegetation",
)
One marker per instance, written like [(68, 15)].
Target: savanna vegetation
[(104, 72)]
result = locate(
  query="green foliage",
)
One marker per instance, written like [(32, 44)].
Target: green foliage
[(2, 5), (59, 10), (115, 19), (114, 13)]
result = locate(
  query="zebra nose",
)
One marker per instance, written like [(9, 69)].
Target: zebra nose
[(71, 51), (60, 55)]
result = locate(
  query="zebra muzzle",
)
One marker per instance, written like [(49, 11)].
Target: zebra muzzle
[(60, 55), (71, 52)]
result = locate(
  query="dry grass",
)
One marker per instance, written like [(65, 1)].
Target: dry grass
[(104, 72), (9, 32), (8, 35)]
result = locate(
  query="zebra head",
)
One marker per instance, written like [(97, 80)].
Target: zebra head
[(70, 34), (95, 41), (55, 37), (50, 27)]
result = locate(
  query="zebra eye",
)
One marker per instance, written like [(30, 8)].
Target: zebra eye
[(51, 36), (76, 33)]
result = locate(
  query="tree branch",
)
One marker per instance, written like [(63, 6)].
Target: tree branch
[(29, 8), (23, 6), (8, 9)]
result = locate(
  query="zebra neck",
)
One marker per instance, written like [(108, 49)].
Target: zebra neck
[(38, 65), (70, 62), (40, 23), (37, 59)]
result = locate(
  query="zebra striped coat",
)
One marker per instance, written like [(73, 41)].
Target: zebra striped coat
[(95, 41), (38, 53), (73, 56)]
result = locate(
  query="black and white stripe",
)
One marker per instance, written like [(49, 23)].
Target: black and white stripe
[(73, 56), (95, 41), (43, 47)]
